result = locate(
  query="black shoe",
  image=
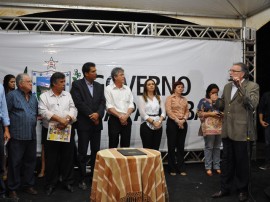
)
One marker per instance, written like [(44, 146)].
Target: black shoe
[(265, 166), (243, 196), (49, 190), (2, 196), (69, 188), (220, 194), (82, 185), (30, 190)]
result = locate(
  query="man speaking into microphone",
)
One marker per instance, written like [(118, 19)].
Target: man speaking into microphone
[(240, 98)]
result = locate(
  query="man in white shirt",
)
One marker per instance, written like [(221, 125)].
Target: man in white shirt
[(57, 106), (119, 104)]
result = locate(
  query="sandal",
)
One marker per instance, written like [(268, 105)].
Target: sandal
[(218, 171), (40, 175), (209, 172), (183, 173)]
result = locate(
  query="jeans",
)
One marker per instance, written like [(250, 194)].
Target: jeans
[(212, 151)]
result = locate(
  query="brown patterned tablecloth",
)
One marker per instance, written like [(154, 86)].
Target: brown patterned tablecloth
[(128, 178)]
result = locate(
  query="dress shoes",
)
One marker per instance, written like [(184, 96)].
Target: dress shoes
[(69, 188), (83, 185), (2, 196), (30, 190), (13, 195), (243, 196), (49, 190), (220, 194)]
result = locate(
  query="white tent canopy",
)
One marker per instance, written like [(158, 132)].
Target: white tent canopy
[(207, 8), (252, 13)]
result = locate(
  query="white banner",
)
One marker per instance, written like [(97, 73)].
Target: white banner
[(197, 63)]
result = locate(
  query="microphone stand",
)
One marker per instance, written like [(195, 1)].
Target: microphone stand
[(249, 108)]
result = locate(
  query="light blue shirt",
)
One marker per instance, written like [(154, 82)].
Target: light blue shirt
[(3, 107), (90, 86)]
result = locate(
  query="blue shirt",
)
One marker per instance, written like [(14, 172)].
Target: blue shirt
[(3, 107), (23, 115)]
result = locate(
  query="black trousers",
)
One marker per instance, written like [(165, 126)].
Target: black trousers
[(150, 138), (176, 140), (235, 163), (21, 162), (93, 135), (59, 161), (116, 130)]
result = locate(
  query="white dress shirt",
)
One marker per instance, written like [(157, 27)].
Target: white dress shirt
[(119, 98), (150, 108), (62, 105), (234, 89)]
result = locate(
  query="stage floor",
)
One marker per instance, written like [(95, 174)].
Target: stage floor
[(195, 187)]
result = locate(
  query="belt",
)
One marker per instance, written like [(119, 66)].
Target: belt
[(153, 114)]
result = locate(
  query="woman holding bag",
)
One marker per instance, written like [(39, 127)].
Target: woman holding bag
[(211, 123), (152, 112)]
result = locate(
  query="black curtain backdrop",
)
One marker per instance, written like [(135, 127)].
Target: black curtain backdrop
[(263, 65)]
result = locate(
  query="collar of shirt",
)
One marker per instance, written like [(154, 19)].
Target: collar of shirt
[(114, 86), (176, 96), (51, 93), (23, 93), (88, 83), (235, 85)]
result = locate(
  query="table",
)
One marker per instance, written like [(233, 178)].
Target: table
[(128, 178)]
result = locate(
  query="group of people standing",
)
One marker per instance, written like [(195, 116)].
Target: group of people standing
[(228, 118)]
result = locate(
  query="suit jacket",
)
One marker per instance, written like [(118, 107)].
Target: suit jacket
[(88, 104), (238, 111)]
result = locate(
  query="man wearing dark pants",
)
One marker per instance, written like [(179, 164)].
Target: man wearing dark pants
[(57, 107), (240, 98), (119, 104), (4, 136), (22, 107), (264, 117), (88, 96)]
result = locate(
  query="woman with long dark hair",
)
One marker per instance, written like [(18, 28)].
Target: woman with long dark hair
[(211, 123), (9, 83), (152, 112)]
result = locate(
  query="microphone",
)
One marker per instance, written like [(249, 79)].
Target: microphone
[(235, 83)]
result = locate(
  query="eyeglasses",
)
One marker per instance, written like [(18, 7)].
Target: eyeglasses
[(232, 70)]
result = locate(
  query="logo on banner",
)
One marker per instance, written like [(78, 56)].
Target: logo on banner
[(51, 64), (41, 79)]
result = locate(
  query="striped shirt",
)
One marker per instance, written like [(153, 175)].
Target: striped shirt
[(22, 114)]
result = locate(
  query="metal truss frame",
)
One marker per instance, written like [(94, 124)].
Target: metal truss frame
[(139, 29)]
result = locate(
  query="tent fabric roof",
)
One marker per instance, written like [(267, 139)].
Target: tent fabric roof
[(230, 9)]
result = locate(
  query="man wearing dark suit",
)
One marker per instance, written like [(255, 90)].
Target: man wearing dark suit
[(240, 98), (88, 96)]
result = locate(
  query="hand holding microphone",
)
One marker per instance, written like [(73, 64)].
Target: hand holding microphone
[(235, 80)]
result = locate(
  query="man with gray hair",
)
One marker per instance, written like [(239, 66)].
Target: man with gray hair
[(22, 107), (119, 104)]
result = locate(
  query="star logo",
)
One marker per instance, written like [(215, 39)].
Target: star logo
[(51, 64)]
